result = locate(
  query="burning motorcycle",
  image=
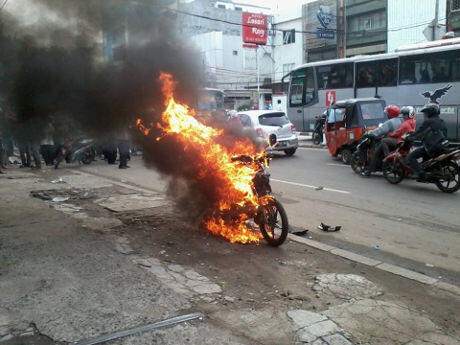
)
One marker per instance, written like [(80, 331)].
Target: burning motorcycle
[(269, 214), (442, 170)]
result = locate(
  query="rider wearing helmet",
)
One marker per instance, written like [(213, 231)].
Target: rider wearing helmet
[(433, 133), (391, 125), (408, 126)]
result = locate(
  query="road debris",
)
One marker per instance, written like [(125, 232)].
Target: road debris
[(300, 232), (121, 334), (60, 198), (319, 188), (376, 247), (328, 228)]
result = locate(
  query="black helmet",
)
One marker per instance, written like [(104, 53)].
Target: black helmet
[(431, 109)]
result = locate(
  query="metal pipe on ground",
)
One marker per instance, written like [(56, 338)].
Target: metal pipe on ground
[(141, 329)]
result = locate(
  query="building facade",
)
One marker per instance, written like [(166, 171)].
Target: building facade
[(453, 16)]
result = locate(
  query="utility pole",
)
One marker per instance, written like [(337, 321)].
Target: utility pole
[(435, 21), (258, 76)]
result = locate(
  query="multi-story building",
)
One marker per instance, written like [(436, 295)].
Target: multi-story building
[(217, 33), (453, 16), (366, 26)]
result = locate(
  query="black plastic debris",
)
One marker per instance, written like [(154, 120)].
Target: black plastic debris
[(328, 228), (299, 232)]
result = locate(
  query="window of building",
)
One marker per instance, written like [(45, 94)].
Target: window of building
[(238, 8), (235, 52), (296, 92), (366, 75), (387, 72), (287, 68), (455, 5), (289, 36), (428, 68), (371, 21), (221, 6), (336, 76)]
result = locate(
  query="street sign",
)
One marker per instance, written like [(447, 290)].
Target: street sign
[(254, 28), (325, 33), (330, 98)]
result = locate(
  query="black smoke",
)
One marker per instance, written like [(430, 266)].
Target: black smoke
[(60, 72)]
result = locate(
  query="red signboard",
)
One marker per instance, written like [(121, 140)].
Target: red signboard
[(330, 98), (254, 28)]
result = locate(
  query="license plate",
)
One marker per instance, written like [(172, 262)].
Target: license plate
[(283, 143)]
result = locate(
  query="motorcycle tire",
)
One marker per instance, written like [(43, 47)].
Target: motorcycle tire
[(346, 156), (317, 138), (451, 170), (274, 233), (88, 156), (358, 163), (393, 172)]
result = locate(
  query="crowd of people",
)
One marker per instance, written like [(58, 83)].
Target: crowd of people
[(50, 141)]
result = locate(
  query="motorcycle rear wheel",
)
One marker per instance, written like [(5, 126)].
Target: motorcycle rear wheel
[(274, 226), (393, 172), (451, 183), (317, 137)]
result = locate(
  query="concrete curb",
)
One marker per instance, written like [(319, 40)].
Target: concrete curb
[(400, 271)]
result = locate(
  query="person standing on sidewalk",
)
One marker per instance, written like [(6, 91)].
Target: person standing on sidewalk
[(123, 143), (47, 148)]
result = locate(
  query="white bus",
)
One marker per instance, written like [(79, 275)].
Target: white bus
[(398, 78)]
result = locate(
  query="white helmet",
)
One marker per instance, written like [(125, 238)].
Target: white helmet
[(408, 112)]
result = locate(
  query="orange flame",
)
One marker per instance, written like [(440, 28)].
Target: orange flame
[(214, 158)]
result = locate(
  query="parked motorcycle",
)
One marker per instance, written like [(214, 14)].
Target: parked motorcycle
[(317, 136), (442, 170), (81, 151)]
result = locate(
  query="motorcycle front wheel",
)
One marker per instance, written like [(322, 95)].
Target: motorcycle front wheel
[(274, 223), (393, 172), (450, 181), (358, 162)]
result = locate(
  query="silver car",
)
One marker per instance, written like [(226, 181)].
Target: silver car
[(274, 125)]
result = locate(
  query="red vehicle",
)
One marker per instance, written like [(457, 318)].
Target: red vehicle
[(347, 120)]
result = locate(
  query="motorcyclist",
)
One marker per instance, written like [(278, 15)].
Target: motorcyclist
[(389, 126), (433, 133)]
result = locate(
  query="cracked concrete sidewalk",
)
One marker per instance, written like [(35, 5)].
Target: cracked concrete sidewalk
[(65, 272)]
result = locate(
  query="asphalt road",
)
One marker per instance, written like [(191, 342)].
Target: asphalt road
[(413, 225)]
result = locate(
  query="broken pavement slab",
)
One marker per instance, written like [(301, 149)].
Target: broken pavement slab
[(316, 328), (346, 286), (179, 278), (381, 322), (131, 202)]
